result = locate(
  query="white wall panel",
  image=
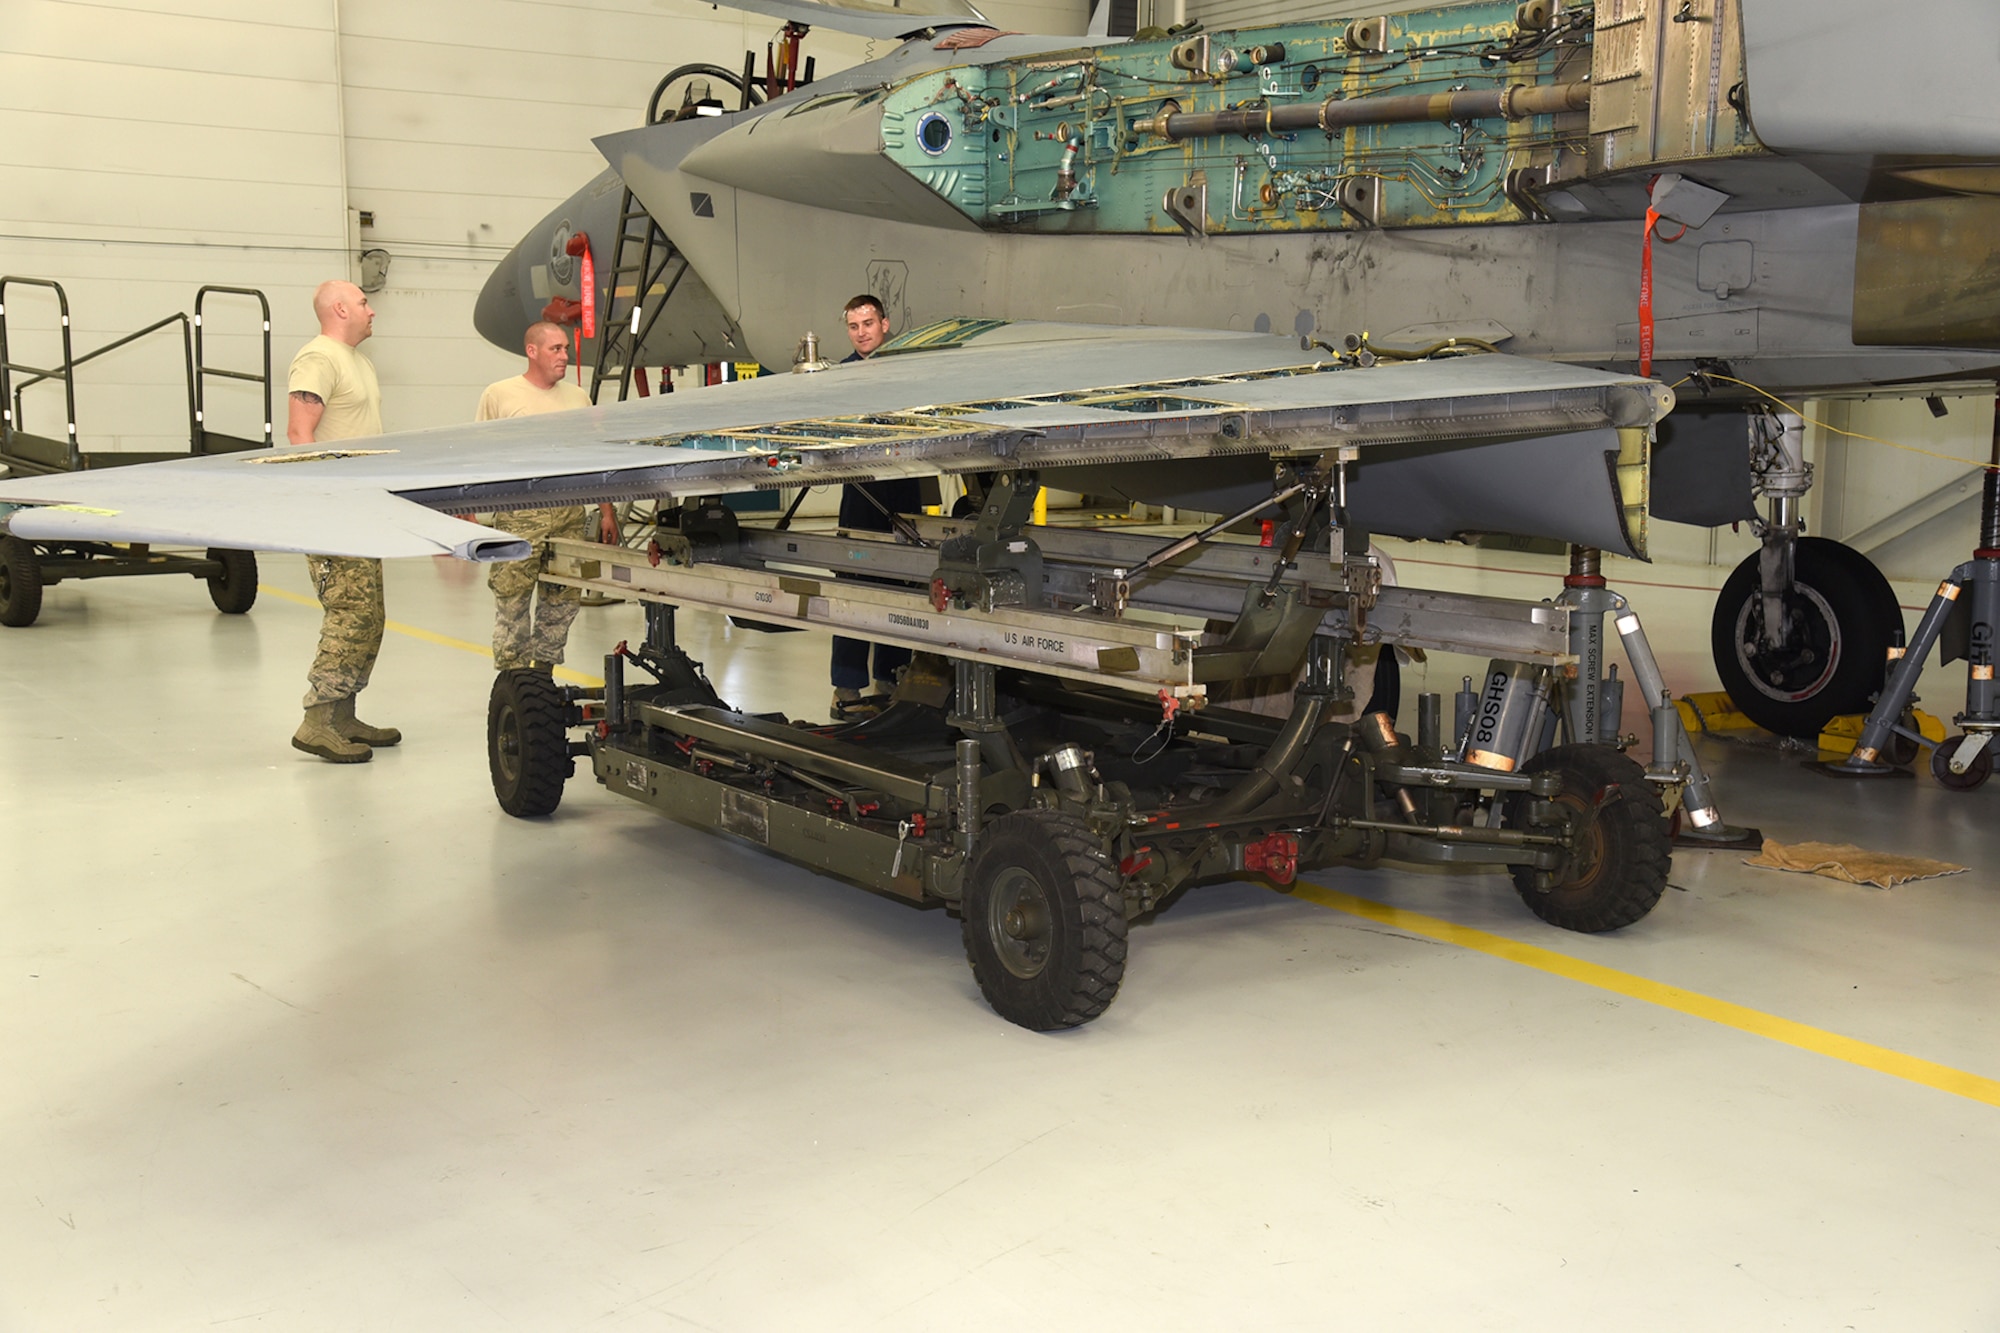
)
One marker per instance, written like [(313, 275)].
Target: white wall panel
[(292, 43), (174, 96), (109, 145), (84, 202), (310, 14), (491, 120), (650, 36)]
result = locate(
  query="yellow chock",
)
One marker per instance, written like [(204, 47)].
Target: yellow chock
[(1714, 711)]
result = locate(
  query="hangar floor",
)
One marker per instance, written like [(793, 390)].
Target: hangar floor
[(304, 1047)]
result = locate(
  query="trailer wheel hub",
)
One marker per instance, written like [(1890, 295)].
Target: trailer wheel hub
[(1020, 916)]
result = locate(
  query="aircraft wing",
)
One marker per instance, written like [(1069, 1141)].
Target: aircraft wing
[(864, 18), (1467, 444)]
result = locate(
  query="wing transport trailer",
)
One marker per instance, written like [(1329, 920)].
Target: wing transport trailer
[(1076, 743)]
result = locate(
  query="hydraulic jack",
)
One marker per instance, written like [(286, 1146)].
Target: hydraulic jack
[(1962, 616), (1592, 701)]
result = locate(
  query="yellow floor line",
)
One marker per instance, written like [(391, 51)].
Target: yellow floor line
[(1817, 1040), (426, 636)]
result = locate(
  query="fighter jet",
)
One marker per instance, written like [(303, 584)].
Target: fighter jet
[(1751, 200)]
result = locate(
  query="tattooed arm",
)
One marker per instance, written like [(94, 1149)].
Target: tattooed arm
[(306, 410)]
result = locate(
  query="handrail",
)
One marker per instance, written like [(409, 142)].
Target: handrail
[(198, 437), (195, 369), (10, 398), (97, 352)]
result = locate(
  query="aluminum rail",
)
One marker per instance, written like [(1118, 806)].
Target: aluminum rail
[(1206, 582)]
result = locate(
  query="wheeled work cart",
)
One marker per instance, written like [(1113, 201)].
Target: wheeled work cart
[(28, 567), (1060, 758)]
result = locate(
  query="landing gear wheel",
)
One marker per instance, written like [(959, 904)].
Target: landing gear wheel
[(20, 583), (1976, 772), (1843, 615), (527, 748), (234, 590), (1044, 921), (1618, 867)]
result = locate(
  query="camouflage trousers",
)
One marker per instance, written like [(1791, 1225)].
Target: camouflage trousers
[(350, 630), (531, 619)]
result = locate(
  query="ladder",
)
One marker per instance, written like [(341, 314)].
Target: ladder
[(643, 257)]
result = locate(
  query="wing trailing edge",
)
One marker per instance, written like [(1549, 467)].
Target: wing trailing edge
[(359, 522)]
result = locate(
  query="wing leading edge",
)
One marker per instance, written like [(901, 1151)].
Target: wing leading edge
[(1482, 443)]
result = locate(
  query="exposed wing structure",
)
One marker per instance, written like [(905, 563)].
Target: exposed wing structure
[(1477, 443)]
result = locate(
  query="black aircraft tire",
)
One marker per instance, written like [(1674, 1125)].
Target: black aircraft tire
[(1044, 921), (20, 583), (527, 747), (1619, 870), (1848, 616), (234, 590)]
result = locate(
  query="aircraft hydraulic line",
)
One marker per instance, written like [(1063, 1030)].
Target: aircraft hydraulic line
[(1516, 102)]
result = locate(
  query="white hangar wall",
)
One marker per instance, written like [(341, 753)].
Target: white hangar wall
[(149, 148)]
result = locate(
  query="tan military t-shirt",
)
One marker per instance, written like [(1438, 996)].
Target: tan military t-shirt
[(345, 382), (520, 397)]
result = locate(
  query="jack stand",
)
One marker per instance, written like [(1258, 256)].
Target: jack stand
[(975, 715), (1964, 761), (1674, 758)]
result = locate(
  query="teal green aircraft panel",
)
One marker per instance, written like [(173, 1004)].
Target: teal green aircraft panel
[(1071, 143)]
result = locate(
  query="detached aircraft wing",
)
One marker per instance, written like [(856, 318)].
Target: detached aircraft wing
[(1445, 448), (866, 18)]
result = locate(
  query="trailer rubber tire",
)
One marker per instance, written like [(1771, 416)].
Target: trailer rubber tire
[(1847, 615), (20, 583), (1044, 920), (1975, 774), (234, 590), (1619, 868), (527, 745)]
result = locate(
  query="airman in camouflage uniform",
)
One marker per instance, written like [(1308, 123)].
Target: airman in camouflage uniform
[(350, 633), (334, 396), (531, 619), (531, 624)]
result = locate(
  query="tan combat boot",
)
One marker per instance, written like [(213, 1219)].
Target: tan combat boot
[(354, 729), (318, 735)]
